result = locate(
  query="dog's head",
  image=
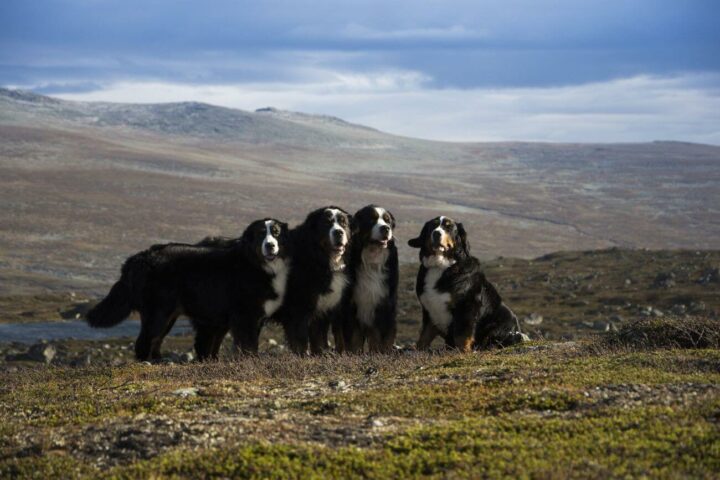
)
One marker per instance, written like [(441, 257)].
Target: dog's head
[(266, 240), (329, 229), (373, 226), (442, 241)]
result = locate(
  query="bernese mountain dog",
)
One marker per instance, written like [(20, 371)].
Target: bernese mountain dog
[(318, 281), (458, 302), (373, 271), (220, 284)]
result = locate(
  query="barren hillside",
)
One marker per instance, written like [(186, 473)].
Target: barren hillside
[(85, 184)]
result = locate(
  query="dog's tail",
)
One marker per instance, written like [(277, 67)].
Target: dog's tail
[(124, 296)]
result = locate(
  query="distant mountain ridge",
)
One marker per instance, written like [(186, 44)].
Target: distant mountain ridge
[(190, 118)]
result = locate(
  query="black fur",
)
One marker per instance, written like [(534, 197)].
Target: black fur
[(220, 284), (476, 312), (311, 276), (372, 317)]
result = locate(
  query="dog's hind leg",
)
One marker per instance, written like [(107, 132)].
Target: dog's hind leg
[(296, 334), (246, 336), (153, 327), (204, 341), (217, 342)]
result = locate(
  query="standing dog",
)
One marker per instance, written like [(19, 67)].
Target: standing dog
[(232, 287), (374, 282), (318, 281), (458, 302)]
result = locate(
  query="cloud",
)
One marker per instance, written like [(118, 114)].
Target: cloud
[(641, 108), (454, 32)]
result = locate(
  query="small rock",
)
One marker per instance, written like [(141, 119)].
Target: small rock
[(41, 352), (375, 422), (186, 392), (82, 361), (710, 275), (664, 280), (272, 342), (533, 319), (697, 307), (337, 384), (601, 326), (628, 281), (678, 309)]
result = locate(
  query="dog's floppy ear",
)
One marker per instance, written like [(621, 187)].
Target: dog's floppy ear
[(392, 219), (462, 235), (353, 224), (420, 239), (415, 242)]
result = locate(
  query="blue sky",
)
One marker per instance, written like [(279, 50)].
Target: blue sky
[(584, 70)]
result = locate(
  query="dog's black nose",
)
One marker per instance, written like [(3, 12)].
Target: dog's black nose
[(436, 237), (338, 235), (385, 230)]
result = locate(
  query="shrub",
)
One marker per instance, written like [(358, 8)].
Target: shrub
[(665, 332)]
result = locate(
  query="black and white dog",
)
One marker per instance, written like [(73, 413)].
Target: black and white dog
[(374, 281), (458, 302), (219, 284), (318, 281)]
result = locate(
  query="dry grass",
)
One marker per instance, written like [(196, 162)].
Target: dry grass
[(665, 332)]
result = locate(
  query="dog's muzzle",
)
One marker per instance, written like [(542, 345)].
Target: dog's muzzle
[(270, 250)]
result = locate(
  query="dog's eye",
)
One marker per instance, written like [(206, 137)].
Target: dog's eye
[(386, 218), (275, 230), (342, 221)]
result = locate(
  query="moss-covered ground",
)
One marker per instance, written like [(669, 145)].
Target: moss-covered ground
[(538, 410)]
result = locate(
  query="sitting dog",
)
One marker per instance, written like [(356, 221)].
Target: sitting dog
[(229, 288), (374, 281), (317, 282), (458, 302)]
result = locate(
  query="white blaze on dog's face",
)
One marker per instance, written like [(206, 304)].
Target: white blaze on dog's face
[(382, 230), (338, 235), (270, 244)]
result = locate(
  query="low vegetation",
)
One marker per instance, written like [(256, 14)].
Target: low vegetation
[(633, 390), (561, 410)]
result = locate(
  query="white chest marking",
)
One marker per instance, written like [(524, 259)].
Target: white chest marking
[(280, 268), (329, 300), (371, 286), (436, 303)]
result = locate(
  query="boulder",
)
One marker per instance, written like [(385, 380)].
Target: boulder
[(41, 352)]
